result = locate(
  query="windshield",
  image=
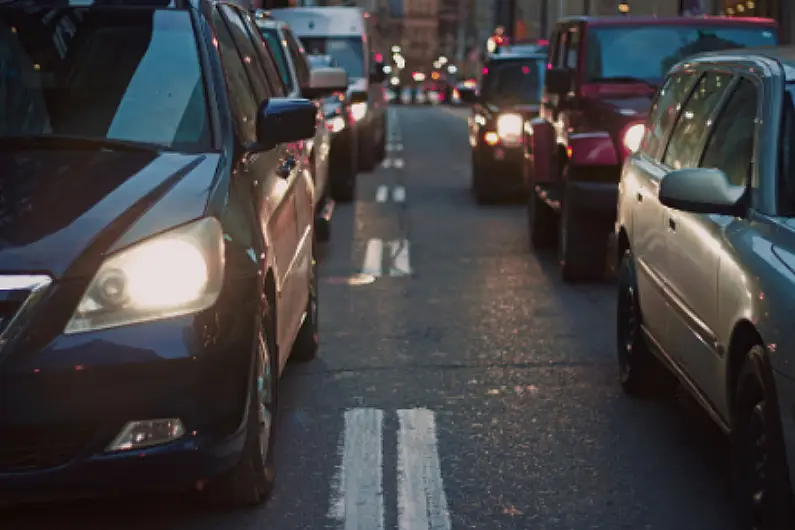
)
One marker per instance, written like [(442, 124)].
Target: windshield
[(648, 52), (130, 75), (514, 81), (277, 49), (348, 52)]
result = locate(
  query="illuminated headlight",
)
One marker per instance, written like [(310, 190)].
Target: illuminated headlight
[(176, 273), (336, 124), (509, 127), (358, 110), (633, 137)]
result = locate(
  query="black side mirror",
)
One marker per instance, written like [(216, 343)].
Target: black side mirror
[(285, 120), (702, 190), (558, 80), (357, 96), (377, 75)]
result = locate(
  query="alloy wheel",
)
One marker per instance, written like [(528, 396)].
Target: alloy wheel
[(627, 328), (758, 458)]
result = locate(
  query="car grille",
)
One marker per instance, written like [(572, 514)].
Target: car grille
[(30, 448)]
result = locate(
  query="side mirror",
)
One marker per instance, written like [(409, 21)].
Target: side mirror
[(357, 96), (558, 80), (701, 190), (285, 120), (324, 82), (377, 74)]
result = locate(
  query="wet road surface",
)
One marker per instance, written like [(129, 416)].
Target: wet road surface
[(460, 384)]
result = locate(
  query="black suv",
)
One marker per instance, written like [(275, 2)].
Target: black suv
[(152, 213), (510, 94)]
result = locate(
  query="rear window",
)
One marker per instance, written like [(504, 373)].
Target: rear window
[(648, 52), (514, 81)]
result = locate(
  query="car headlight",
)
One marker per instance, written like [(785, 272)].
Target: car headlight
[(336, 124), (633, 137), (509, 127), (359, 110), (175, 273)]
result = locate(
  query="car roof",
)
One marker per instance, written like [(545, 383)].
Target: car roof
[(632, 20), (783, 55)]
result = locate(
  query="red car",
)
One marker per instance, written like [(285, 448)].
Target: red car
[(602, 75)]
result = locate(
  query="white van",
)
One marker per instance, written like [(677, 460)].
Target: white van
[(342, 33)]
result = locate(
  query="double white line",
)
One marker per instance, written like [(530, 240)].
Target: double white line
[(357, 496), (398, 194), (398, 258)]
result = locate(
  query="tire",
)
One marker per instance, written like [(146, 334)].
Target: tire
[(342, 180), (541, 221), (250, 482), (322, 229), (307, 342), (367, 151), (757, 440), (483, 194), (640, 373), (582, 245)]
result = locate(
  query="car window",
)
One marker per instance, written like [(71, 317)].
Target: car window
[(648, 52), (348, 52), (557, 52), (297, 54), (730, 147), (238, 86), (684, 148), (271, 36), (248, 53), (786, 195), (266, 57), (125, 76), (572, 48), (664, 111)]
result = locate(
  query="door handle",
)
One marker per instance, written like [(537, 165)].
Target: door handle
[(671, 224), (287, 167), (639, 196)]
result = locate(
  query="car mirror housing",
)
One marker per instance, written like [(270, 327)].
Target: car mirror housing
[(325, 81), (285, 120), (702, 190)]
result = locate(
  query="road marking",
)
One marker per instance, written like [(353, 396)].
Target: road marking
[(381, 194), (398, 194), (357, 497), (399, 252), (387, 163), (373, 257), (399, 163), (422, 502), (394, 147)]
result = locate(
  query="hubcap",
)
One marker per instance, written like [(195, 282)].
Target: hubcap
[(627, 329), (758, 461), (265, 398)]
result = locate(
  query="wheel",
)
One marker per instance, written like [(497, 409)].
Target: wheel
[(641, 374), (342, 179), (367, 151), (322, 229), (250, 482), (483, 194), (763, 492), (541, 221), (582, 245), (306, 343)]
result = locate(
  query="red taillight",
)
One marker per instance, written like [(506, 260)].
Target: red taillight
[(485, 71)]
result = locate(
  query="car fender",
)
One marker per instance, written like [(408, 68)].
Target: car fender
[(541, 148), (592, 149)]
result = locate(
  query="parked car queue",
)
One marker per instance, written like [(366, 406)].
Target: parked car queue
[(158, 246), (688, 164)]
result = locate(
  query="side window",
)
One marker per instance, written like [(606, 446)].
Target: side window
[(559, 47), (238, 87), (301, 68), (731, 145), (786, 175), (275, 44), (684, 147), (572, 48), (664, 111), (249, 54), (266, 58)]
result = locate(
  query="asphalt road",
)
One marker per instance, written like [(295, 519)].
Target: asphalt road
[(460, 384)]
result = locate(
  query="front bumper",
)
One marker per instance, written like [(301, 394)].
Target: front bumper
[(61, 405), (502, 164)]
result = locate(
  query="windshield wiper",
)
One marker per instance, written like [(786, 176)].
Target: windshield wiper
[(625, 79), (68, 141)]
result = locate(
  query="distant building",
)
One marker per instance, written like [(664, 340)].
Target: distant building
[(420, 42)]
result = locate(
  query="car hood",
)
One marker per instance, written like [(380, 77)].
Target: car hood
[(60, 210)]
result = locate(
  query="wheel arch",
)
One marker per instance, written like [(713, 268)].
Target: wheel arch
[(744, 336)]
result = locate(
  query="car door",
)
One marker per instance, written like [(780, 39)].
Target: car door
[(273, 196), (690, 270), (696, 242), (640, 183)]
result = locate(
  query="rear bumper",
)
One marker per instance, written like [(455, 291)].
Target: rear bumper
[(502, 166)]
